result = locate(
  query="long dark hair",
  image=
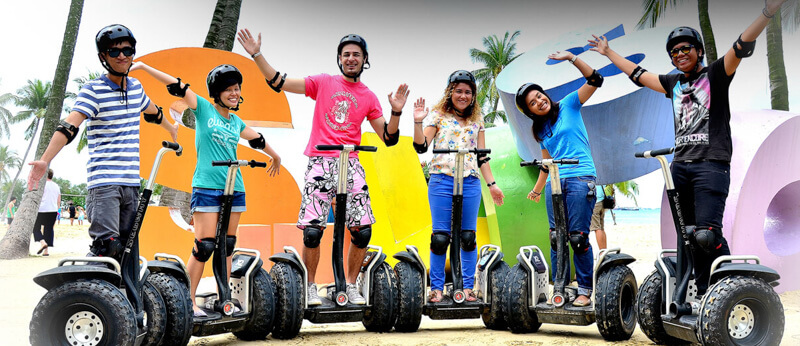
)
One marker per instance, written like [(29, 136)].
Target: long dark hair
[(539, 128)]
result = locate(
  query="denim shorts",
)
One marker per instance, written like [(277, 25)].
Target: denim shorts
[(209, 201)]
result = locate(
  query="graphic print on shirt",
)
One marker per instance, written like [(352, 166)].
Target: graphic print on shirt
[(223, 133), (691, 110), (338, 117)]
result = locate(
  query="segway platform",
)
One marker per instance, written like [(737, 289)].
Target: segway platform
[(447, 309), (330, 312), (567, 314)]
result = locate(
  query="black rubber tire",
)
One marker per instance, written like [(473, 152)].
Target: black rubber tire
[(495, 318), (518, 317), (96, 297), (382, 315), (179, 308), (409, 297), (289, 296), (156, 311), (741, 295), (259, 325), (648, 311), (615, 303)]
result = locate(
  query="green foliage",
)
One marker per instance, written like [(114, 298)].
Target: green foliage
[(75, 193), (8, 161), (628, 189), (19, 189), (498, 55), (83, 141)]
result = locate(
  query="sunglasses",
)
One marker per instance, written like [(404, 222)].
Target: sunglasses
[(127, 51), (685, 50)]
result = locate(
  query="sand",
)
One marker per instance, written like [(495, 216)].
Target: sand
[(640, 241)]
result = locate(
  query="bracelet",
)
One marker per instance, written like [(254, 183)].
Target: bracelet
[(574, 57), (490, 184), (536, 193), (397, 114), (256, 55), (766, 14), (417, 122)]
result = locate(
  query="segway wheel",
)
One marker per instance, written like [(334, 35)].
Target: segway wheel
[(615, 303), (155, 314), (382, 313), (409, 297), (262, 305), (740, 310), (178, 305), (649, 308), (519, 318), (495, 317), (289, 295), (83, 312)]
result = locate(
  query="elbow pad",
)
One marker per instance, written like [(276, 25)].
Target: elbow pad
[(482, 159), (636, 74), (595, 79), (271, 83), (390, 139), (68, 130), (175, 89), (421, 148), (258, 143), (155, 118), (746, 50)]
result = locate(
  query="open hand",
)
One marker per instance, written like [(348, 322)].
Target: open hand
[(38, 169), (274, 166), (398, 98), (599, 44), (497, 194), (420, 112), (561, 55), (249, 42)]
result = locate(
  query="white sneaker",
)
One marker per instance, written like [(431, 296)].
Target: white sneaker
[(354, 296), (313, 296)]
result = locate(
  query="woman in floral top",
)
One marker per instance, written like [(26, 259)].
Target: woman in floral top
[(455, 123)]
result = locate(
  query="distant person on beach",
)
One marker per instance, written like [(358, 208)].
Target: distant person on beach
[(46, 219), (11, 209), (598, 217), (81, 215), (72, 212)]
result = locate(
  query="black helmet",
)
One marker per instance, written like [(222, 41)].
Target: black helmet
[(115, 32), (361, 42), (522, 92), (461, 76), (220, 78), (685, 34)]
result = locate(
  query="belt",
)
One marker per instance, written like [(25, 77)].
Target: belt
[(703, 160)]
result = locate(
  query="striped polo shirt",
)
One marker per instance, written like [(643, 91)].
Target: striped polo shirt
[(112, 129)]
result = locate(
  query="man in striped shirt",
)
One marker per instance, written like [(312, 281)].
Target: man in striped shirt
[(111, 105)]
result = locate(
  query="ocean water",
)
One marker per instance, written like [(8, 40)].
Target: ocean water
[(643, 216)]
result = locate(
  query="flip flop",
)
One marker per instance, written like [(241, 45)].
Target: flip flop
[(200, 313), (47, 254), (42, 249)]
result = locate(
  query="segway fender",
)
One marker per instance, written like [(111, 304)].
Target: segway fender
[(287, 258), (56, 276), (496, 262), (170, 268), (378, 261), (240, 263), (759, 271), (615, 259), (406, 256)]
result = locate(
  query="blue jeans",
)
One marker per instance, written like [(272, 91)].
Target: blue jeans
[(440, 196), (578, 209)]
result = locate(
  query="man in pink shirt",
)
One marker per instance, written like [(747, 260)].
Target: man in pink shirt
[(342, 104)]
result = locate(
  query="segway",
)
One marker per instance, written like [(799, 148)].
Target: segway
[(98, 301), (376, 281), (740, 306), (413, 279), (244, 306), (613, 297)]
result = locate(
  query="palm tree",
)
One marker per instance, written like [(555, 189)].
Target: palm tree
[(222, 31), (628, 189), (654, 10), (83, 141), (498, 55), (5, 114), (8, 160), (15, 243)]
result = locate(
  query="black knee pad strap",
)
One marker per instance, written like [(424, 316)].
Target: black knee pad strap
[(553, 238), (439, 243), (230, 244), (311, 236), (707, 240), (360, 237), (204, 249), (579, 242), (468, 242)]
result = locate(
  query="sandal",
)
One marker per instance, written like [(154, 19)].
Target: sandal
[(435, 296), (41, 249), (471, 297)]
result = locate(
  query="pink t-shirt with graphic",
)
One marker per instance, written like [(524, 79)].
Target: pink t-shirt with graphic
[(341, 108)]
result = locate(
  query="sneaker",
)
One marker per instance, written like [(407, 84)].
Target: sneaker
[(313, 295), (354, 296)]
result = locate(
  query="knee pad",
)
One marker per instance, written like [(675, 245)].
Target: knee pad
[(230, 244), (311, 237), (439, 243), (468, 240), (111, 247), (360, 237), (204, 249), (706, 239), (579, 242), (553, 238)]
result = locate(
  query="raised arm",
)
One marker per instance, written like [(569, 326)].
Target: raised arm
[(746, 42), (181, 89), (274, 78), (644, 78), (389, 132), (593, 79)]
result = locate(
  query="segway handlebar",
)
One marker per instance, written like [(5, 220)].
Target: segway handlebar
[(555, 162), (654, 153), (240, 163), (340, 147), (476, 151), (173, 146)]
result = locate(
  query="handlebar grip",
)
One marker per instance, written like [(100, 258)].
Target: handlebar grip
[(443, 151), (329, 147), (223, 163), (254, 163), (366, 148), (654, 153), (482, 151), (173, 146), (527, 163), (568, 161)]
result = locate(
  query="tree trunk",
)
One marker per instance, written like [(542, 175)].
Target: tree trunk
[(778, 83), (16, 241), (222, 31), (14, 182), (708, 34)]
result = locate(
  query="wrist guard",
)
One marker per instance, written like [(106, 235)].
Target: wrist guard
[(175, 89), (595, 79), (636, 74), (390, 139), (421, 148), (155, 118), (746, 50), (68, 130), (258, 143), (482, 159)]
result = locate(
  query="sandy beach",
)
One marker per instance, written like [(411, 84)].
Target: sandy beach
[(640, 241)]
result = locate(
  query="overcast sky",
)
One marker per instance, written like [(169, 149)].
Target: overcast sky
[(415, 42)]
